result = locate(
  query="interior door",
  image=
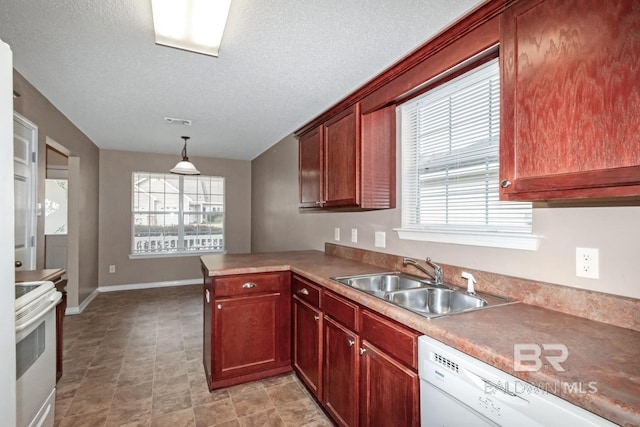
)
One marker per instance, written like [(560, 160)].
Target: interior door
[(24, 163)]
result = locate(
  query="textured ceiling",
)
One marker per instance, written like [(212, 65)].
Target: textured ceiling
[(281, 63)]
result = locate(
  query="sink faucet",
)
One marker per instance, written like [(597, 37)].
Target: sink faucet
[(437, 270)]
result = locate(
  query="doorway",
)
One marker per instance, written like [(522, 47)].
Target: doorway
[(56, 209)]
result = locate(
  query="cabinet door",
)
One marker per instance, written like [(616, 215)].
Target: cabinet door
[(570, 99), (341, 373), (246, 335), (307, 345), (342, 159), (207, 331), (310, 168), (378, 171), (389, 393)]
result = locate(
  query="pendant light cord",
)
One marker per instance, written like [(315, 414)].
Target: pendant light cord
[(184, 149)]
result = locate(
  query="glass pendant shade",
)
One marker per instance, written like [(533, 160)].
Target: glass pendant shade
[(184, 166)]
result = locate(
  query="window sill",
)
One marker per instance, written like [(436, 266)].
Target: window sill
[(174, 254), (525, 242)]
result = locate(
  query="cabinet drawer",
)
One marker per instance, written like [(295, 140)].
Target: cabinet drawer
[(247, 284), (341, 310), (306, 291), (391, 337)]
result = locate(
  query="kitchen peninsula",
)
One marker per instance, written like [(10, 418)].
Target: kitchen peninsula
[(607, 356)]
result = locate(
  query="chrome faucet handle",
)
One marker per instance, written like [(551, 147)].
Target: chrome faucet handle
[(413, 262), (438, 273)]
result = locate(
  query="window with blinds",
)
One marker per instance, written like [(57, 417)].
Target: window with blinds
[(176, 214), (450, 161)]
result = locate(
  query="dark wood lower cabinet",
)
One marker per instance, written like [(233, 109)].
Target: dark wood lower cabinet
[(247, 328), (360, 365), (61, 286), (307, 345), (341, 373), (389, 391)]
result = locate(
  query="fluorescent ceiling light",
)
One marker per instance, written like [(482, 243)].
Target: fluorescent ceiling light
[(194, 25)]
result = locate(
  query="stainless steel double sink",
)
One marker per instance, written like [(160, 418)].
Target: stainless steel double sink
[(417, 294)]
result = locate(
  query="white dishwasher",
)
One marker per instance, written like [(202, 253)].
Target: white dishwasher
[(459, 390)]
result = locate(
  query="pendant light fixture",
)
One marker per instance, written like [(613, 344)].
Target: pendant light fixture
[(184, 166)]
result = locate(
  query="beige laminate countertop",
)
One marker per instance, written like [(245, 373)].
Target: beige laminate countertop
[(603, 359)]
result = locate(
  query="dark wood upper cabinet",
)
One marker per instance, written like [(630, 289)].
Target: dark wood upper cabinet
[(571, 100), (349, 161), (342, 155), (310, 168)]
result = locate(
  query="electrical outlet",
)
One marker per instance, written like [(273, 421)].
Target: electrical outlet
[(336, 234), (112, 268), (354, 235), (587, 263), (380, 238)]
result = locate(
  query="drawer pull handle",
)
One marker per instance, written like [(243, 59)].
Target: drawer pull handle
[(316, 318), (362, 351), (249, 285), (350, 342), (303, 291)]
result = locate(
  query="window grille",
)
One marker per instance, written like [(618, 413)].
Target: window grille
[(177, 213)]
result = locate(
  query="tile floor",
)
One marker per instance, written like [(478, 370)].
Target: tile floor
[(134, 358)]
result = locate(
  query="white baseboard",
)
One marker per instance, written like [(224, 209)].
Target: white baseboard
[(79, 309), (133, 286)]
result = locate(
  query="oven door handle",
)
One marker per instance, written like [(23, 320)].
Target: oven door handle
[(57, 296), (43, 419)]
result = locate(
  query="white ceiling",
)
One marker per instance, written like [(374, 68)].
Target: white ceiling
[(281, 63)]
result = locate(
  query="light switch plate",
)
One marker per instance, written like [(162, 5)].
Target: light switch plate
[(336, 234), (380, 239), (587, 263), (354, 235)]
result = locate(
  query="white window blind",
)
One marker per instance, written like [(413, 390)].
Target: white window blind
[(176, 214), (450, 161)]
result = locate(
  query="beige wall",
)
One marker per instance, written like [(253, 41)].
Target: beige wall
[(277, 224), (115, 216), (53, 124)]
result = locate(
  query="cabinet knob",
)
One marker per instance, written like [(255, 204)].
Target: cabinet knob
[(316, 318), (219, 306), (249, 285), (303, 291), (362, 351), (350, 342), (505, 183), (18, 264)]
